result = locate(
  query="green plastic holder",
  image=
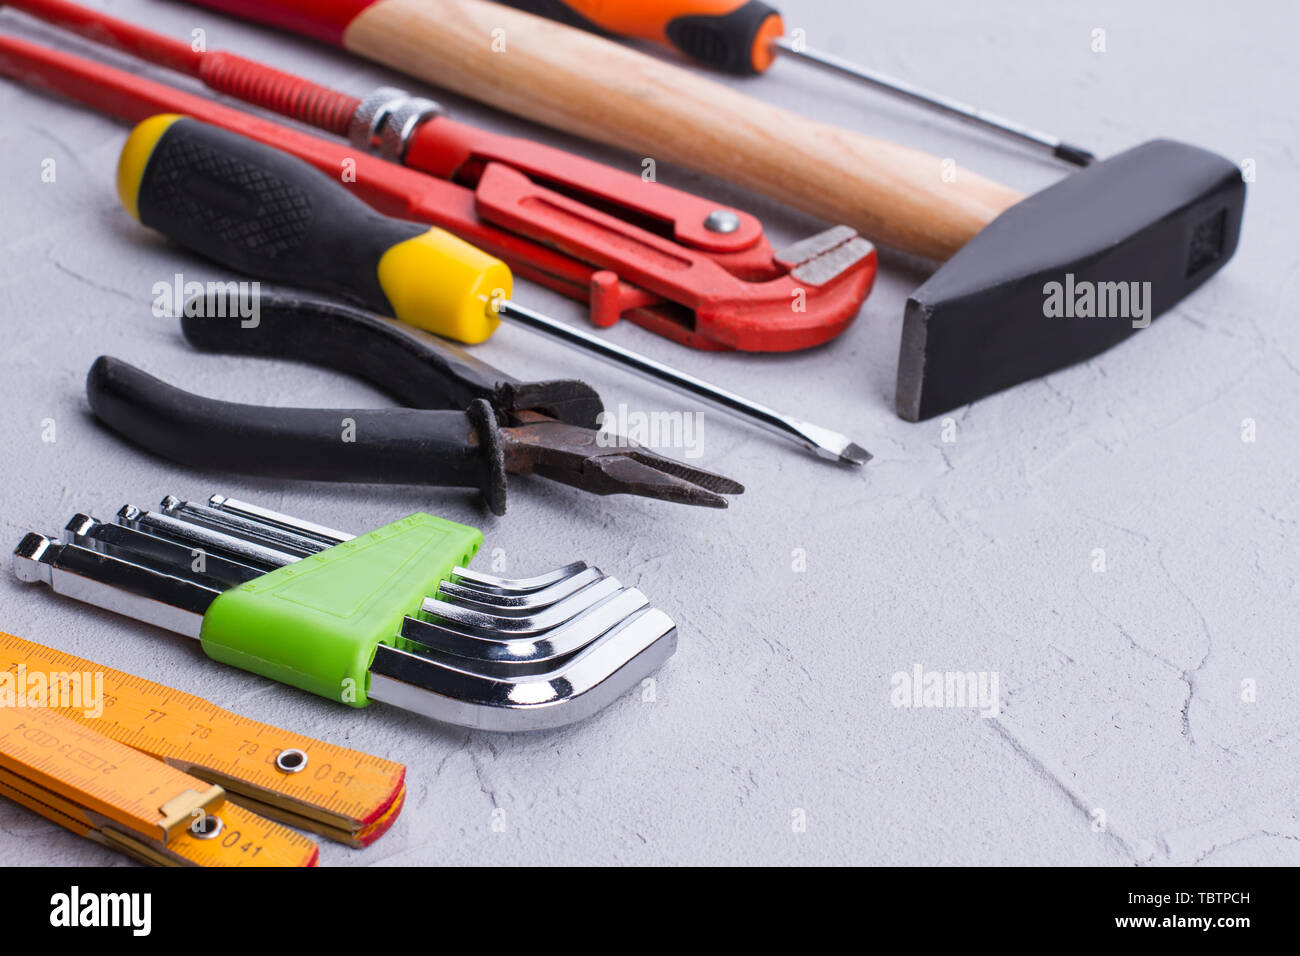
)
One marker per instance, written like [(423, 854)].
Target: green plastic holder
[(315, 624)]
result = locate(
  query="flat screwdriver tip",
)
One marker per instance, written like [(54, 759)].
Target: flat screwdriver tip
[(828, 445), (855, 455)]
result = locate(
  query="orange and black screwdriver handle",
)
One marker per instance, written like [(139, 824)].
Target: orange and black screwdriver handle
[(731, 35)]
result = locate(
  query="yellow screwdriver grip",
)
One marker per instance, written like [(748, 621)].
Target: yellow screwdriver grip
[(441, 283), (273, 217)]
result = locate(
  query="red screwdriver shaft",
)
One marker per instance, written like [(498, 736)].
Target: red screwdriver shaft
[(237, 76)]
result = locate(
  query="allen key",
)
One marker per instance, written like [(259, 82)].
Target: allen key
[(488, 586), (159, 553), (482, 651), (491, 584), (115, 584), (536, 621), (482, 644), (203, 538), (519, 602)]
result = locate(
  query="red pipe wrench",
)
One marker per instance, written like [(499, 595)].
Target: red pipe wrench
[(686, 268)]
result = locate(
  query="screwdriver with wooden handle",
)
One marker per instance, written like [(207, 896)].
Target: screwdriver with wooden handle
[(573, 80), (272, 216), (746, 37)]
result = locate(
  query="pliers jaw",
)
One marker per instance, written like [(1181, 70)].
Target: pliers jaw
[(565, 400), (604, 463)]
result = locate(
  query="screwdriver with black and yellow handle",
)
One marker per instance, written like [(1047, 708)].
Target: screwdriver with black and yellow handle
[(745, 37), (277, 219)]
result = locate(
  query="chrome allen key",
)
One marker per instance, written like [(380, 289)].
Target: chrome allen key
[(469, 648)]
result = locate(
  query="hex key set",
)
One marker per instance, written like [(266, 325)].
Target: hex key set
[(391, 616)]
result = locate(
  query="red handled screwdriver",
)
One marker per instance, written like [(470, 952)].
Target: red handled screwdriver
[(746, 36)]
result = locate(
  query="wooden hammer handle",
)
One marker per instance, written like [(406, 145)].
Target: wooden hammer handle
[(584, 84)]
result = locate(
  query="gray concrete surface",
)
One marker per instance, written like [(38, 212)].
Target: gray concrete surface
[(1128, 730)]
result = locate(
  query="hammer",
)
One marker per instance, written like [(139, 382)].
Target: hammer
[(1032, 284)]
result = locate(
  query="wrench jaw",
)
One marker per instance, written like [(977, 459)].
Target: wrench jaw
[(740, 296), (824, 281), (485, 652)]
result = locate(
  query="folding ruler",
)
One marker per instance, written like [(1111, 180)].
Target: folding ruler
[(171, 778)]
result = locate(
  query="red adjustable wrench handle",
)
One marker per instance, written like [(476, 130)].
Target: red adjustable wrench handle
[(390, 188), (666, 286), (442, 148)]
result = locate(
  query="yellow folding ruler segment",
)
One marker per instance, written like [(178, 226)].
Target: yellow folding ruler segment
[(339, 793), (110, 793)]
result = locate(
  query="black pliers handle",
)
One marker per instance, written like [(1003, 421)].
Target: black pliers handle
[(416, 368), (497, 425)]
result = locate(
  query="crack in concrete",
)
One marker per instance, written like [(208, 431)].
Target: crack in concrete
[(1055, 777), (90, 282), (481, 778), (1189, 677), (1216, 847)]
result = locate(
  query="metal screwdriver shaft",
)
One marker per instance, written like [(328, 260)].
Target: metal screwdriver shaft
[(943, 104), (745, 37), (822, 442)]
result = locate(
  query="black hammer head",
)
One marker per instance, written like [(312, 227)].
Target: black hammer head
[(1067, 273)]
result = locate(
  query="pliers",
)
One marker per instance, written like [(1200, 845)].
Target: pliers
[(506, 426)]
